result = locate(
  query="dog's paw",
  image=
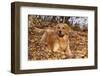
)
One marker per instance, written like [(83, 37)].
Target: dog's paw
[(69, 54)]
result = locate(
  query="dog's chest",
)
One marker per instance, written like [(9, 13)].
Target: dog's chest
[(61, 44)]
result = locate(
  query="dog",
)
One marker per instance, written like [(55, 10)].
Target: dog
[(57, 39)]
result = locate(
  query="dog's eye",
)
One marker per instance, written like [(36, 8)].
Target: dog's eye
[(63, 28), (58, 27)]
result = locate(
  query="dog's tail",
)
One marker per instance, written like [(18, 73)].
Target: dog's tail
[(38, 29)]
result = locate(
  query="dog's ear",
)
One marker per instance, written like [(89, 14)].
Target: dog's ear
[(68, 28)]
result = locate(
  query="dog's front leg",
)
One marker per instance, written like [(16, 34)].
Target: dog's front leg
[(68, 51), (56, 47)]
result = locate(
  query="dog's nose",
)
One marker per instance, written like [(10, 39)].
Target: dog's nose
[(60, 32)]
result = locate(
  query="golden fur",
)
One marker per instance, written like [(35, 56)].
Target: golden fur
[(57, 39)]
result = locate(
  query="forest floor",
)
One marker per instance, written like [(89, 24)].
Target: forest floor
[(36, 51)]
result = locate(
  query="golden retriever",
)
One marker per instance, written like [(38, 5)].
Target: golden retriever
[(57, 39)]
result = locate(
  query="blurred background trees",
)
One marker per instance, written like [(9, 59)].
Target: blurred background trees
[(76, 23)]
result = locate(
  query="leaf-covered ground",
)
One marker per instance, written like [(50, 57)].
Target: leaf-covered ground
[(36, 51)]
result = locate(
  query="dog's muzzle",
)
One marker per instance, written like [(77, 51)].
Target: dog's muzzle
[(60, 34)]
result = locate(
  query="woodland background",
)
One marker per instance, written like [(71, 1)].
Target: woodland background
[(78, 37)]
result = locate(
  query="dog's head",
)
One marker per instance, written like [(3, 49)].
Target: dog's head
[(62, 29)]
